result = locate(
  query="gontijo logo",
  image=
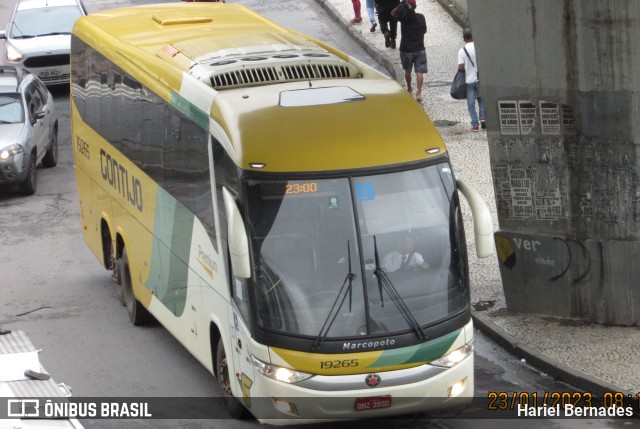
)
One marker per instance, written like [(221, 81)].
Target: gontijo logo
[(116, 175)]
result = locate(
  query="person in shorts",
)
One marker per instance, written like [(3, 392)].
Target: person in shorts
[(413, 55)]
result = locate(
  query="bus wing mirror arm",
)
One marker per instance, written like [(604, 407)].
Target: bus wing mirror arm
[(237, 238), (482, 223)]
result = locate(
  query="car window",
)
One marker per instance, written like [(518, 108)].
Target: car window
[(43, 21), (34, 101), (11, 109), (44, 92)]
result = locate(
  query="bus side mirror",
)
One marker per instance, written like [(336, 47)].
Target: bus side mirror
[(237, 238), (482, 223)]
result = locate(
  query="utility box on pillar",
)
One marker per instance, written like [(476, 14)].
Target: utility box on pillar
[(561, 85)]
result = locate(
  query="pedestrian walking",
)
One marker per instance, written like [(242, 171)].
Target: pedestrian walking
[(468, 63), (388, 22), (413, 55), (371, 4), (356, 11)]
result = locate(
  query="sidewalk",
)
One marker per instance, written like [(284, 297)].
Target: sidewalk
[(591, 357)]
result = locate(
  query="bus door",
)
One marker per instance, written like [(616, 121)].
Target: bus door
[(241, 343)]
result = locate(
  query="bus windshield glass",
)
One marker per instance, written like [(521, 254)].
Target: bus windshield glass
[(315, 245)]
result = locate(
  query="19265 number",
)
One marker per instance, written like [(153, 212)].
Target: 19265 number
[(338, 363)]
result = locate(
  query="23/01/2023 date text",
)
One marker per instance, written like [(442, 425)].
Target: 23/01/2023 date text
[(511, 400)]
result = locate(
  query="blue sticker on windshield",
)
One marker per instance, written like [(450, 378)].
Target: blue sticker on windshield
[(364, 191)]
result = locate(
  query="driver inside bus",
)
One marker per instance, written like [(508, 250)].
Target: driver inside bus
[(404, 257)]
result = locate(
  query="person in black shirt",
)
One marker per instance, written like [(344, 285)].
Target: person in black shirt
[(412, 51)]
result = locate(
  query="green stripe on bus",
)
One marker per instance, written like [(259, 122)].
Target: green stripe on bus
[(189, 110), (424, 352), (173, 227)]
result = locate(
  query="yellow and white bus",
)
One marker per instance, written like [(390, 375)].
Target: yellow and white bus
[(252, 188)]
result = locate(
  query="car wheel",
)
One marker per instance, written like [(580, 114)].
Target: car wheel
[(28, 187), (51, 157), (138, 315)]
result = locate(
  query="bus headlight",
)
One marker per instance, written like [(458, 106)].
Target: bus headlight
[(454, 357), (10, 151), (279, 373)]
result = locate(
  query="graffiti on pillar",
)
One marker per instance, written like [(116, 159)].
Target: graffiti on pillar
[(552, 258)]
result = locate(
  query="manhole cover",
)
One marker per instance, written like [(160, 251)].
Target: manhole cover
[(445, 123)]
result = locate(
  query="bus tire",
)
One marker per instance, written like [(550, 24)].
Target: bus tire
[(28, 187), (235, 409), (138, 315)]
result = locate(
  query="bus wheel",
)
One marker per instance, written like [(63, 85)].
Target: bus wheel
[(138, 315), (233, 406)]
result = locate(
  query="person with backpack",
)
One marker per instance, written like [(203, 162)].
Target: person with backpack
[(468, 63)]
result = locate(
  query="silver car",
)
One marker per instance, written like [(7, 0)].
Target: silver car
[(28, 128), (38, 37)]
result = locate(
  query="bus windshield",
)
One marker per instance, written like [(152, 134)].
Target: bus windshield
[(315, 245)]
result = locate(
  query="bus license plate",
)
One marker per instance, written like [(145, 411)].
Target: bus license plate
[(373, 403)]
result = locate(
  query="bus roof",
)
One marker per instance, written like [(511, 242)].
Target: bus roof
[(274, 97)]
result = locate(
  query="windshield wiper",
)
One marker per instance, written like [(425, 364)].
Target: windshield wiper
[(385, 283), (347, 287)]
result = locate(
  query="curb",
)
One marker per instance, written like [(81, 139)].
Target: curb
[(544, 363)]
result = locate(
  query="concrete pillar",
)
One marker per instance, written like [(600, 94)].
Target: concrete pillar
[(561, 81)]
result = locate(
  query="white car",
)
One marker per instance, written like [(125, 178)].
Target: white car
[(38, 37)]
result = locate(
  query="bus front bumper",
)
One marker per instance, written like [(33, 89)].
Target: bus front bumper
[(290, 404)]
